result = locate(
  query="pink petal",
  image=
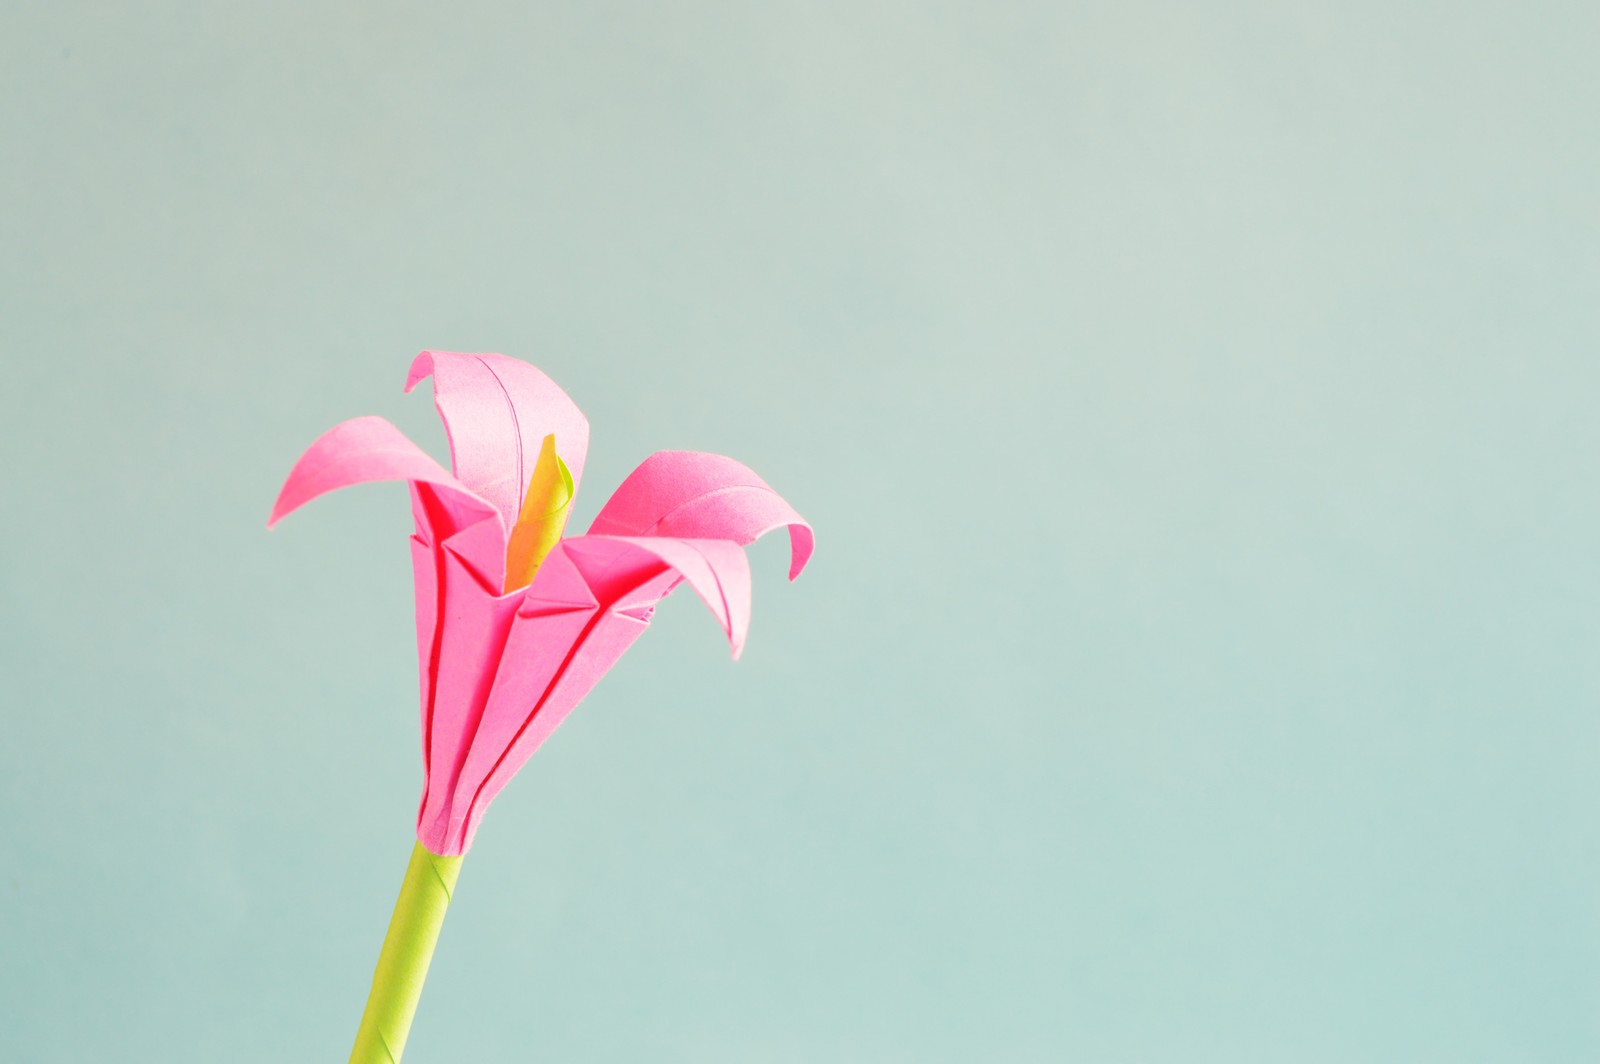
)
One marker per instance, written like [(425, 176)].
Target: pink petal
[(367, 449), (692, 495), (496, 412), (592, 598), (468, 563), (466, 651), (717, 569), (554, 617)]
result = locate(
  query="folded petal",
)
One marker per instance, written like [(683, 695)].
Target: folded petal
[(717, 569), (591, 599), (366, 449), (496, 411), (691, 495), (457, 572), (554, 618), (465, 652)]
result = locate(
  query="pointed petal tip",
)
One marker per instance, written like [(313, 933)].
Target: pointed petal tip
[(283, 505), (738, 631), (421, 370), (802, 543), (289, 499)]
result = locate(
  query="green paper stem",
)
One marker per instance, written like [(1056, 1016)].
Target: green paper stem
[(403, 964)]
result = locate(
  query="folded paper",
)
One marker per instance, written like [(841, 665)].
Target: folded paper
[(503, 660)]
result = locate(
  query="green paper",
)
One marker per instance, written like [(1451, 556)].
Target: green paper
[(403, 964)]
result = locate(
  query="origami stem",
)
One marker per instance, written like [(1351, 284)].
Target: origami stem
[(403, 964)]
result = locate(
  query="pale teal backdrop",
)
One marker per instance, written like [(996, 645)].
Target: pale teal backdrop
[(1196, 404)]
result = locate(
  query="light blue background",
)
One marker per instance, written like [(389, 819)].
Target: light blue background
[(1196, 404)]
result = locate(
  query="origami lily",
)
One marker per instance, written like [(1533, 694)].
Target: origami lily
[(515, 624)]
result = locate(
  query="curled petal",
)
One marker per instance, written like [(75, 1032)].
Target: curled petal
[(717, 569), (692, 495), (496, 411), (366, 449)]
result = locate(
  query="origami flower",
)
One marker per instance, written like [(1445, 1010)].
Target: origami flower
[(515, 624), (500, 668)]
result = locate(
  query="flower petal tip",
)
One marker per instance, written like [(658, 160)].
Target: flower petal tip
[(288, 501), (802, 543), (285, 504), (421, 370)]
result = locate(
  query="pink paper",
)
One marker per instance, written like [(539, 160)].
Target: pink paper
[(497, 672)]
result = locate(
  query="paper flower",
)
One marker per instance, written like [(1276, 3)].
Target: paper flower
[(515, 624)]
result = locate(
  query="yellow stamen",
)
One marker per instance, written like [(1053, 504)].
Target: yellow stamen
[(542, 519)]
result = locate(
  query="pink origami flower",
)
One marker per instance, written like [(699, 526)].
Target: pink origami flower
[(500, 669)]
